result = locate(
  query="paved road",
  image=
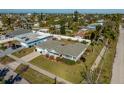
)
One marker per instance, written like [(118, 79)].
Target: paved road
[(118, 66), (11, 72)]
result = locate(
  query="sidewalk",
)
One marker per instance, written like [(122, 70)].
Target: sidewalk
[(40, 70), (98, 59), (53, 76)]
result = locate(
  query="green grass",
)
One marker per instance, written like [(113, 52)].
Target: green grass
[(108, 59), (34, 77), (71, 73), (23, 52), (2, 47), (5, 60)]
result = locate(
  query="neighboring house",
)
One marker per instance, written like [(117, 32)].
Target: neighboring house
[(45, 30), (80, 34), (36, 26), (32, 39), (18, 31), (2, 37), (68, 30), (57, 26), (93, 26), (100, 21), (60, 49)]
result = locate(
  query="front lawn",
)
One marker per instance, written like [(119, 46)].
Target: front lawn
[(2, 47), (23, 52), (34, 77), (71, 73), (5, 60)]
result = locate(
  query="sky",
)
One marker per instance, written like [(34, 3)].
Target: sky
[(83, 11)]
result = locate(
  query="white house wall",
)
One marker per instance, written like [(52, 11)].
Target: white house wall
[(24, 44)]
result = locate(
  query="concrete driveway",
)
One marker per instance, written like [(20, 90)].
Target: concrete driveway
[(9, 51), (30, 56), (2, 53)]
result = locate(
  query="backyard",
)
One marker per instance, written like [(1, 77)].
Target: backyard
[(23, 52), (34, 77), (71, 73)]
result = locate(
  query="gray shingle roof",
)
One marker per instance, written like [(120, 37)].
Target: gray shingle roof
[(18, 32), (69, 49)]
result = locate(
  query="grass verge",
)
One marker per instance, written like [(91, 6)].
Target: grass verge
[(34, 77), (108, 59)]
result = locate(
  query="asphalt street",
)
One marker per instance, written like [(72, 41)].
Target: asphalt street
[(118, 66)]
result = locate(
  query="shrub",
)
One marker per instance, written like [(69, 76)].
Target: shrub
[(69, 39), (66, 61), (47, 55), (83, 59), (84, 42), (51, 57)]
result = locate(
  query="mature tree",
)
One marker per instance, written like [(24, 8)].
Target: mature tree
[(62, 28), (6, 20), (92, 37), (111, 25), (88, 75)]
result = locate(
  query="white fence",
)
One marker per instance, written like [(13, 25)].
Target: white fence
[(65, 37), (54, 35)]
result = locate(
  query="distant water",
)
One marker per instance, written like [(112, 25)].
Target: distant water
[(91, 11)]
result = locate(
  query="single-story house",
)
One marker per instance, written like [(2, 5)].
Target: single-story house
[(31, 39), (93, 26), (18, 31), (45, 30), (60, 49), (80, 34)]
